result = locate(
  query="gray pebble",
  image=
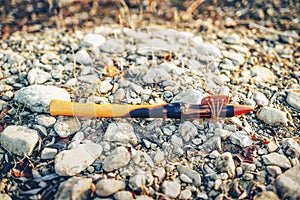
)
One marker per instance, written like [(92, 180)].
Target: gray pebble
[(112, 46), (288, 183), (119, 95), (156, 75), (241, 138), (19, 140), (185, 178), (293, 99), (137, 181), (38, 76), (191, 96), (95, 40), (73, 161), (176, 141), (194, 175), (75, 187), (45, 120), (185, 194), (160, 173), (260, 98), (48, 153), (105, 87), (187, 131), (83, 57), (171, 188), (38, 97), (123, 195), (277, 160), (120, 132), (66, 126), (107, 187), (272, 116), (113, 161), (263, 75), (232, 38), (234, 56)]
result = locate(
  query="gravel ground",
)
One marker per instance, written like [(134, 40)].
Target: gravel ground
[(112, 52)]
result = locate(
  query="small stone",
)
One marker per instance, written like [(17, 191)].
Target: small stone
[(266, 195), (106, 187), (105, 87), (143, 197), (66, 126), (75, 187), (37, 97), (19, 140), (83, 57), (159, 157), (260, 98), (156, 75), (241, 138), (263, 75), (160, 173), (185, 178), (38, 76), (45, 120), (293, 99), (73, 161), (120, 132), (48, 153), (187, 130), (91, 79), (234, 56), (137, 181), (123, 195), (95, 40), (272, 116), (171, 188), (191, 96), (277, 160), (272, 146), (194, 175), (112, 46), (113, 161), (176, 141), (225, 163), (119, 95), (232, 38), (185, 194), (288, 184)]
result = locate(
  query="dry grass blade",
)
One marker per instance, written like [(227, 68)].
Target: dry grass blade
[(191, 9)]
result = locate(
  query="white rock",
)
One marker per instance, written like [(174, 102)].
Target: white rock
[(160, 173), (106, 187), (187, 130), (185, 194), (19, 140), (5, 196), (75, 188), (73, 161), (120, 132), (277, 160), (118, 158), (293, 98), (241, 138), (94, 39), (45, 120), (261, 98), (38, 97), (48, 153), (238, 57), (189, 96), (123, 195), (38, 76), (171, 188), (263, 75), (272, 116), (105, 87), (83, 57), (194, 175), (66, 126)]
